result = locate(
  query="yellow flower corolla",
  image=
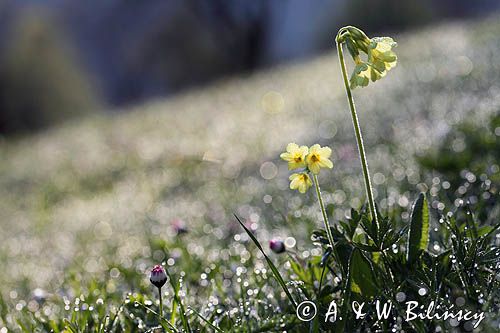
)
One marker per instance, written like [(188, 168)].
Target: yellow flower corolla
[(311, 159), (295, 156), (318, 158), (380, 54), (300, 181)]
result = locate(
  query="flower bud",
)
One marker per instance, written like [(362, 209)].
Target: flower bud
[(359, 38), (158, 276), (277, 245)]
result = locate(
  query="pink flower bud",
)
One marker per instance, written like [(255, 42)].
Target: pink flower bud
[(158, 276), (277, 245), (179, 226)]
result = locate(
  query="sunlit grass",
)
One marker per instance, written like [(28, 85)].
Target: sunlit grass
[(88, 208)]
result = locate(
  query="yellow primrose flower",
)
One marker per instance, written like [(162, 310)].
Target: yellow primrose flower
[(300, 181), (295, 156), (381, 55), (318, 158)]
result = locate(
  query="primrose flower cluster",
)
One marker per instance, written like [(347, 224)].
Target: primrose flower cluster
[(310, 159), (380, 56)]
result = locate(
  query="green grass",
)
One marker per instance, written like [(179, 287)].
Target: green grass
[(86, 208)]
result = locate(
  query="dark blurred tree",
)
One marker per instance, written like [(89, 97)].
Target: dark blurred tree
[(193, 42), (40, 81), (142, 49)]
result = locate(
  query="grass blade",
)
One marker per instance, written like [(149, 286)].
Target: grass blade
[(170, 326), (275, 271), (182, 313), (206, 320)]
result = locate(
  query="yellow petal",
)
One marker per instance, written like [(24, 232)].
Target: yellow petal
[(295, 180), (314, 148), (296, 165), (326, 163), (304, 150), (325, 152), (314, 167), (286, 156), (292, 146)]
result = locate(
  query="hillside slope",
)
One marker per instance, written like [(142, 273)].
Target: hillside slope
[(88, 194)]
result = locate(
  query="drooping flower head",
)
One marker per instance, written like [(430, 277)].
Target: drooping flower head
[(277, 245), (295, 156), (158, 276), (379, 52), (381, 55), (300, 181), (318, 158)]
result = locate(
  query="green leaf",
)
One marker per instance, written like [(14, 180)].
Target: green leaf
[(364, 247), (275, 271), (344, 252), (418, 236), (215, 328), (370, 228), (163, 321), (361, 276), (182, 312), (297, 269)]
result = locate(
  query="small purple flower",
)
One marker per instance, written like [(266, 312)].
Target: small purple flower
[(179, 226), (158, 276), (277, 245)]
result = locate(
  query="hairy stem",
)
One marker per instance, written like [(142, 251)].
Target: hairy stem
[(327, 224), (357, 131), (323, 211)]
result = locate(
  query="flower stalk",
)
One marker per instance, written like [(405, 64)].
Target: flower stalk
[(161, 301), (357, 130), (312, 159), (327, 223), (323, 211)]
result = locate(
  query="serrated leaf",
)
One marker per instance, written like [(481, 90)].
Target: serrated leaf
[(361, 276), (299, 270), (364, 247), (418, 236)]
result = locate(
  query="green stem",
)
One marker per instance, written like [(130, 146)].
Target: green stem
[(357, 131), (323, 211), (327, 224), (161, 302)]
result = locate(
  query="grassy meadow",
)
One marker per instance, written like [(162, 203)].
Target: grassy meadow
[(88, 208)]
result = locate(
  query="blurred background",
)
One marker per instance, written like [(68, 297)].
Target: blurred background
[(61, 58), (125, 121)]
